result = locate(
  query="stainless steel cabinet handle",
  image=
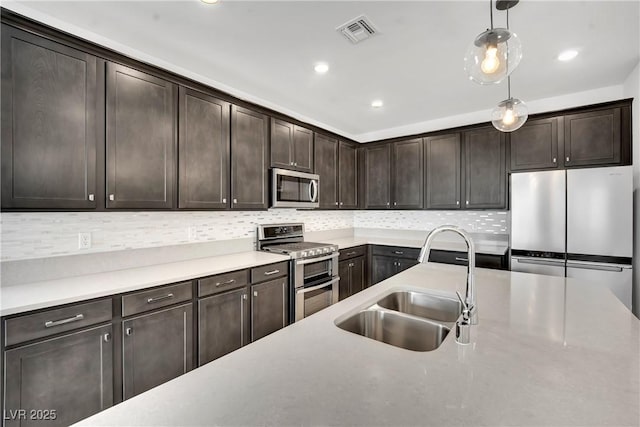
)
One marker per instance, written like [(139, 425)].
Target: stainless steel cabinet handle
[(457, 202), (129, 331), (156, 299), (341, 203), (398, 252), (290, 163), (467, 202), (388, 203), (224, 200), (255, 293), (336, 203), (106, 337), (295, 164), (112, 197), (461, 259), (351, 264), (350, 253), (568, 159), (235, 201), (554, 160), (52, 323), (228, 282), (271, 273), (244, 296), (395, 203), (91, 197)]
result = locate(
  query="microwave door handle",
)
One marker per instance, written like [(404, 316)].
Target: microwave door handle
[(313, 190)]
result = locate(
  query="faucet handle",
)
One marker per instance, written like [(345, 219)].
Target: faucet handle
[(463, 326), (465, 307)]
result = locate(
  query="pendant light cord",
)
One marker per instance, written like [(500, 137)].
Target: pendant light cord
[(509, 76), (491, 12)]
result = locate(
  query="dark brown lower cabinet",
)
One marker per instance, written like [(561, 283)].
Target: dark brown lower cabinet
[(387, 261), (269, 307), (59, 381), (352, 276), (156, 347), (497, 262), (222, 324)]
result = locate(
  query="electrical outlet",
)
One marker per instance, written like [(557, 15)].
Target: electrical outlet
[(192, 233), (84, 240)]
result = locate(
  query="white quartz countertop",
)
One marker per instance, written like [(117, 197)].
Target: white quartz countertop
[(547, 351), (21, 298), (481, 246)]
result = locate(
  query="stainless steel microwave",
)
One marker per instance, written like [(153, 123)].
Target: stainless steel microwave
[(291, 189)]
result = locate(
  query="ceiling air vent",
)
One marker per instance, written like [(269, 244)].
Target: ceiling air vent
[(358, 29)]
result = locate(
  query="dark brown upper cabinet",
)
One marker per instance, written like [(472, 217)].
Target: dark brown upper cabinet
[(141, 140), (49, 137), (291, 146), (348, 176), (442, 155), (249, 159), (203, 144), (377, 175), (326, 166), (408, 177), (535, 145), (485, 175), (593, 138)]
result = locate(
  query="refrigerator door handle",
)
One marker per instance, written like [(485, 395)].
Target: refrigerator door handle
[(536, 261), (599, 267)]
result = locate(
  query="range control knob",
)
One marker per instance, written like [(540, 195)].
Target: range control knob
[(304, 254)]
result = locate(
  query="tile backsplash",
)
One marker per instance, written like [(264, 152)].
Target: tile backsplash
[(40, 235)]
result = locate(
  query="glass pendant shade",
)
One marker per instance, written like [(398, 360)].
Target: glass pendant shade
[(492, 56), (509, 115)]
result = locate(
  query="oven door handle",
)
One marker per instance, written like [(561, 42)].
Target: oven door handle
[(315, 288), (312, 260)]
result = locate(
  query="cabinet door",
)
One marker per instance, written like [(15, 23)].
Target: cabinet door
[(249, 164), (222, 324), (326, 165), (282, 146), (344, 271), (535, 145), (357, 274), (302, 149), (382, 267), (403, 263), (348, 176), (408, 177), (71, 374), (442, 163), (592, 138), (204, 151), (485, 172), (268, 307), (48, 124), (157, 347), (378, 177), (141, 140)]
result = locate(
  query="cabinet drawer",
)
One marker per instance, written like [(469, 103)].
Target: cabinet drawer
[(50, 322), (396, 251), (352, 252), (222, 282), (268, 272), (140, 302)]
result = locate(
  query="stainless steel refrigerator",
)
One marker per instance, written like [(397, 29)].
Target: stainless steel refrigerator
[(575, 223)]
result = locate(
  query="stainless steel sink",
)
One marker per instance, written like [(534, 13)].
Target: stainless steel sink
[(412, 320), (429, 306), (411, 333)]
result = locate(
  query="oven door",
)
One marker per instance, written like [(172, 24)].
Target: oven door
[(292, 189), (312, 299)]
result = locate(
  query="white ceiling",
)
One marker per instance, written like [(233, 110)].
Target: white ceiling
[(265, 51)]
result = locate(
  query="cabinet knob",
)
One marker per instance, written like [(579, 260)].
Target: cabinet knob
[(235, 201), (224, 200), (291, 163), (568, 159), (388, 203), (112, 197), (554, 160), (244, 296), (467, 202), (336, 203), (457, 202), (255, 293), (91, 197), (341, 203), (295, 164), (395, 203), (129, 331), (106, 337)]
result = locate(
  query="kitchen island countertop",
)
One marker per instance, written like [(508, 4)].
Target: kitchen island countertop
[(547, 351)]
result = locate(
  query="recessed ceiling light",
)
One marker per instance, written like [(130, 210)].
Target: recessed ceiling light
[(321, 67), (210, 1), (377, 103), (567, 55)]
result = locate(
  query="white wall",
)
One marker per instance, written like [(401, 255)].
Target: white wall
[(631, 89)]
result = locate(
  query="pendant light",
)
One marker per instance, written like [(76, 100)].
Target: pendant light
[(512, 113), (495, 53)]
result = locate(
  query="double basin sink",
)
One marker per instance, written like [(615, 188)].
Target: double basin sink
[(412, 320)]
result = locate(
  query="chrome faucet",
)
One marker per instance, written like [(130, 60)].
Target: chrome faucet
[(470, 312)]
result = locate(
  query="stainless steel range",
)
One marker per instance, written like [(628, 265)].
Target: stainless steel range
[(313, 267)]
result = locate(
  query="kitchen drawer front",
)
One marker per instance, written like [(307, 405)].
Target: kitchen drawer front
[(495, 262), (269, 272), (352, 252), (396, 251), (222, 282), (51, 322), (140, 302)]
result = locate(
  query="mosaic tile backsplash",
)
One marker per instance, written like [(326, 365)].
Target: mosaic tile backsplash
[(38, 235)]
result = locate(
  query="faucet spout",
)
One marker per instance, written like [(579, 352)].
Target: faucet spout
[(470, 291)]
